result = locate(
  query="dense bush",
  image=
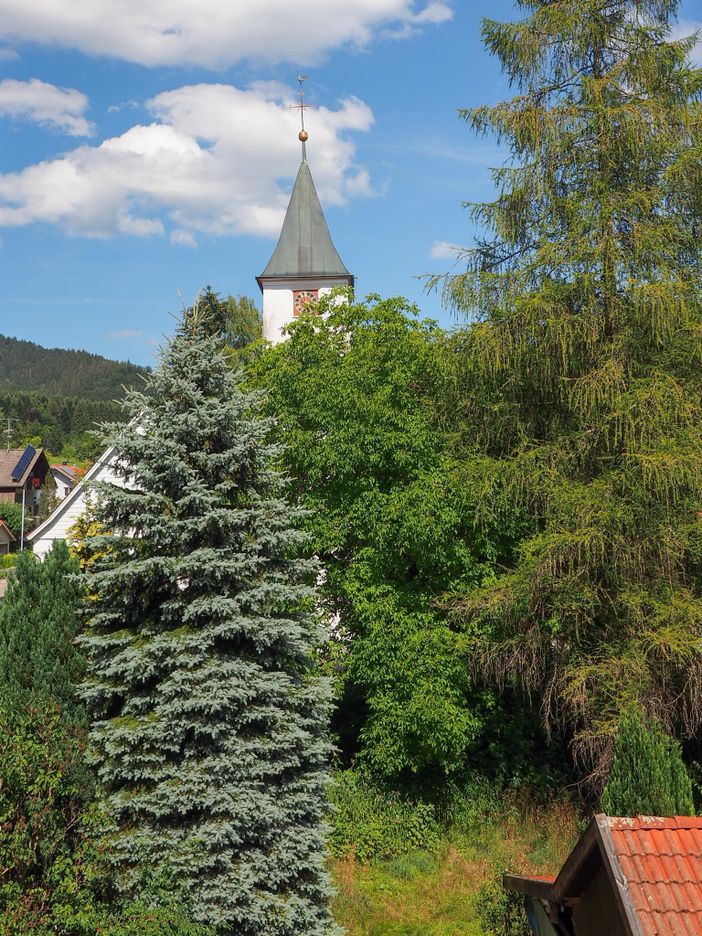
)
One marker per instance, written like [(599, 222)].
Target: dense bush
[(11, 513), (55, 879), (376, 825), (648, 776)]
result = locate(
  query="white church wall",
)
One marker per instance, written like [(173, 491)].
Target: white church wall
[(278, 303)]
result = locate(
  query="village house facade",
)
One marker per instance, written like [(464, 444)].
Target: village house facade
[(24, 473)]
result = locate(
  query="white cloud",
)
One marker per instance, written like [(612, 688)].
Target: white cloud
[(183, 238), (125, 333), (42, 103), (442, 250), (212, 161), (212, 32)]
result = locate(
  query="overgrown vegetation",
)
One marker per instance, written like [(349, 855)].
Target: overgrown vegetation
[(499, 527), (581, 382), (392, 513)]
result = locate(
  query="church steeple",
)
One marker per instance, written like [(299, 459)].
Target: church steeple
[(305, 262)]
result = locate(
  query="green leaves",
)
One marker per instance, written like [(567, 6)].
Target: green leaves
[(363, 396), (39, 620)]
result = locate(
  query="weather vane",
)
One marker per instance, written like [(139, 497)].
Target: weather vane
[(302, 107)]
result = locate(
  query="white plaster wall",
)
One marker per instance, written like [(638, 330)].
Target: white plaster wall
[(278, 304), (59, 523), (62, 482)]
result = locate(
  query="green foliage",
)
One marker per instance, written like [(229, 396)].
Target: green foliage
[(55, 880), (209, 721), (11, 513), (142, 920), (648, 776), (377, 825), (62, 424), (582, 385), (39, 620), (501, 912), (44, 788), (357, 391), (243, 323)]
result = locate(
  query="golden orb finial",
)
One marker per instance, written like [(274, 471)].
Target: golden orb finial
[(303, 136)]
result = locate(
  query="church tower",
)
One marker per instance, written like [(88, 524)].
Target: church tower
[(305, 264)]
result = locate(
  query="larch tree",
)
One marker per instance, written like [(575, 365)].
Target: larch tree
[(209, 721), (583, 370)]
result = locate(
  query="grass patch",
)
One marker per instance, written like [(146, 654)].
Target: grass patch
[(432, 893)]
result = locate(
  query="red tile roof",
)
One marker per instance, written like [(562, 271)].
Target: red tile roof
[(662, 862)]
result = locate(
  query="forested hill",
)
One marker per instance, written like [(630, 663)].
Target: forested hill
[(59, 372)]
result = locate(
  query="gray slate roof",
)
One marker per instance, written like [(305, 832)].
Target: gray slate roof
[(305, 245)]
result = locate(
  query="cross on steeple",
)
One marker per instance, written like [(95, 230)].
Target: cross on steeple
[(302, 107)]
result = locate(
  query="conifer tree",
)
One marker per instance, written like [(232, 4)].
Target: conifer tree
[(39, 620), (583, 365), (209, 722), (648, 775)]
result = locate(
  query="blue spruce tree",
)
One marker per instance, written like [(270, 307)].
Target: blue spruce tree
[(209, 721)]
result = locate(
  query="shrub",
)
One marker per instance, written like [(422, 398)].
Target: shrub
[(375, 825), (55, 879), (11, 513), (501, 912), (648, 776), (39, 620)]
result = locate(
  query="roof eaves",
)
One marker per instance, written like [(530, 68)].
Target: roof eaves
[(540, 888), (615, 873)]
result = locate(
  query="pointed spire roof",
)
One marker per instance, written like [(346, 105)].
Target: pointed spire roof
[(305, 246)]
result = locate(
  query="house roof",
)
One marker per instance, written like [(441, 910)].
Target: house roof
[(4, 528), (9, 459), (71, 471), (305, 246), (662, 862), (654, 866)]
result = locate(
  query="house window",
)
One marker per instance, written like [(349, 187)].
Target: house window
[(303, 297)]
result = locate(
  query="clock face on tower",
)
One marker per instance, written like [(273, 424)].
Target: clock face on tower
[(301, 298)]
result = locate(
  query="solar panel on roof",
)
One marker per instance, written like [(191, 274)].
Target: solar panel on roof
[(24, 461)]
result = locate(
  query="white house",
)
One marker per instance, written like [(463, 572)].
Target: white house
[(59, 523), (66, 478)]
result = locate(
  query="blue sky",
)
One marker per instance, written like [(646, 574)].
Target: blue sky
[(147, 150)]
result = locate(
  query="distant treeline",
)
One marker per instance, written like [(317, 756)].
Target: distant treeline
[(56, 371), (61, 424)]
